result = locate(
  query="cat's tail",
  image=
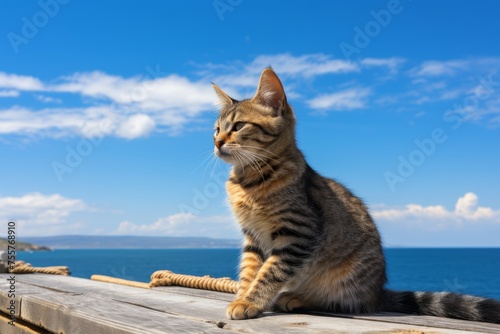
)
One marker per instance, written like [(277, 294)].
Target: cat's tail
[(442, 304)]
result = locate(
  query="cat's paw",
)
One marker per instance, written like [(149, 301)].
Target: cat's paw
[(241, 309), (287, 302)]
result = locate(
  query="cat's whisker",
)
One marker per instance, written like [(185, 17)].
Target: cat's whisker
[(260, 148), (248, 160), (209, 154), (261, 156), (212, 158), (214, 161), (253, 161), (256, 157), (240, 160)]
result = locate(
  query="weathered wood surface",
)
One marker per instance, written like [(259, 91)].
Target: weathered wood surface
[(59, 304)]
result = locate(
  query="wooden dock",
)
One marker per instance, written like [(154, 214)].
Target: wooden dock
[(69, 305)]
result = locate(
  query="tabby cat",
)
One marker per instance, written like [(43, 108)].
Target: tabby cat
[(310, 244)]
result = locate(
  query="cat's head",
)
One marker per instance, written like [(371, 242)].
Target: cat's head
[(257, 129)]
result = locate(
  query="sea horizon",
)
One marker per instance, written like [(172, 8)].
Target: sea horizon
[(196, 248), (83, 241)]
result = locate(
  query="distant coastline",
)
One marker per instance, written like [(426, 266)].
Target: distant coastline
[(24, 246), (130, 242)]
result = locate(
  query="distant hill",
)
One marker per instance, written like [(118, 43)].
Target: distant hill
[(114, 242), (22, 246)]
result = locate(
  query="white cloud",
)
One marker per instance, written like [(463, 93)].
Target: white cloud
[(39, 209), (480, 104), (469, 85), (348, 99), (184, 224), (166, 93), (90, 122), (450, 94), (285, 64), (309, 65), (392, 64), (47, 99), (137, 106), (55, 122), (466, 209), (9, 93), (439, 68), (485, 110), (134, 107), (20, 82), (136, 126)]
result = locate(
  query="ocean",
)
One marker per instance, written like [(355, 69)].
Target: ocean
[(473, 271)]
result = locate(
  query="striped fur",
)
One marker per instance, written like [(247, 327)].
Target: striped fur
[(310, 244)]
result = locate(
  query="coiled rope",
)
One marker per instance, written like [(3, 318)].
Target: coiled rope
[(168, 278), (21, 267)]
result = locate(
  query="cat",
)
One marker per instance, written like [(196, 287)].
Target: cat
[(309, 243)]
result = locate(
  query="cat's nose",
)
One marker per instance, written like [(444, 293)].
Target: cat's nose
[(219, 143)]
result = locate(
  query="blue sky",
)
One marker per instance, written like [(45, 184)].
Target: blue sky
[(107, 111)]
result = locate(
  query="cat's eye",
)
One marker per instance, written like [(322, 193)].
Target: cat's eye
[(217, 130), (238, 126)]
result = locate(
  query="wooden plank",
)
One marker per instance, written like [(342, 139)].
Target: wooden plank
[(226, 297), (87, 314), (75, 299), (71, 312), (423, 320), (19, 327), (301, 323), (174, 303)]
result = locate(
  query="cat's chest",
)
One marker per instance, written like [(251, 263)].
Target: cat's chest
[(254, 217)]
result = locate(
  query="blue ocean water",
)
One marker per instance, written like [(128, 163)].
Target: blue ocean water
[(470, 271)]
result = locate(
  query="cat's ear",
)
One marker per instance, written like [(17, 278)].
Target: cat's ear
[(270, 92), (224, 99)]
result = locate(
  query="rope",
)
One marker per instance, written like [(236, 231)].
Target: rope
[(168, 278), (109, 279), (21, 267)]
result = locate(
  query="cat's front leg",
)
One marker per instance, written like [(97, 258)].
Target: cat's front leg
[(269, 281), (252, 259)]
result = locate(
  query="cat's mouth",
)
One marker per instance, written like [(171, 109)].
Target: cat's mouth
[(226, 153)]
